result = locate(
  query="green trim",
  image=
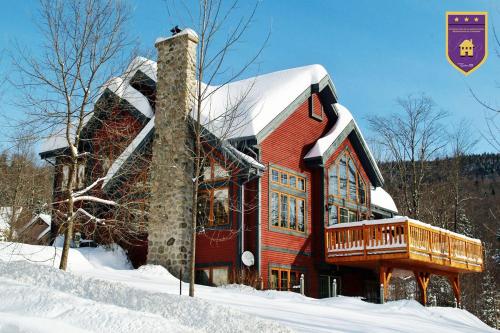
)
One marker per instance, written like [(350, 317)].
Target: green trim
[(347, 204), (285, 250), (338, 141), (382, 211)]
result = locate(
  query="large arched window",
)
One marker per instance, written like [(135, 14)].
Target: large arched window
[(346, 186)]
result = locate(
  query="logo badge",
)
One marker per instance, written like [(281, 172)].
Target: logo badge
[(466, 40)]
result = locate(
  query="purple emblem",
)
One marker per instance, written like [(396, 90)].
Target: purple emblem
[(466, 40)]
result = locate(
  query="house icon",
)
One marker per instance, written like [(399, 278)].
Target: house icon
[(467, 48)]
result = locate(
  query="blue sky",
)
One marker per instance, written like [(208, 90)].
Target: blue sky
[(375, 51)]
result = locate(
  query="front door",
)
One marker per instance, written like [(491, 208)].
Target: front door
[(326, 285)]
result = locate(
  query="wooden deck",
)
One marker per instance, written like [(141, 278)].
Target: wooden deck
[(404, 243)]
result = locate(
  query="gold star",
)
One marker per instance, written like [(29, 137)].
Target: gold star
[(456, 19), (476, 19), (466, 19)]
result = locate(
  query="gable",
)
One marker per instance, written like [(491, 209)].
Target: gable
[(345, 127)]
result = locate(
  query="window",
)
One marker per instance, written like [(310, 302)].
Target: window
[(345, 181), (284, 279), (274, 208), (293, 213), (344, 215), (301, 214), (65, 177), (288, 179), (284, 210), (212, 276), (221, 206), (361, 191), (352, 181), (274, 175), (213, 170), (213, 207), (79, 177), (343, 177), (333, 180), (287, 211), (333, 217), (284, 178), (301, 184)]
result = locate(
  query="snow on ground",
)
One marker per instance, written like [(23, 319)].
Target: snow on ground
[(102, 293)]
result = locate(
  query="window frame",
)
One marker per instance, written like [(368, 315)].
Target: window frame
[(213, 164), (312, 113), (289, 272), (359, 179), (288, 212), (211, 274), (211, 219), (288, 175)]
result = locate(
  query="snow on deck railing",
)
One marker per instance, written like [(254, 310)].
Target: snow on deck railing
[(400, 235)]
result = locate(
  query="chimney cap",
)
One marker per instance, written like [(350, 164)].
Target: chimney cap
[(193, 36)]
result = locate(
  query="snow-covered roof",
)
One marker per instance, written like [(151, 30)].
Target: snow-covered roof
[(144, 65), (248, 159), (46, 218), (253, 102), (124, 90), (257, 101), (57, 139), (344, 119), (379, 197)]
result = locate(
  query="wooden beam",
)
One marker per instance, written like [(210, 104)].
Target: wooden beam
[(455, 284), (423, 279), (385, 274)]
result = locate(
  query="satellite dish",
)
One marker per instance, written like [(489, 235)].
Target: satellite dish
[(247, 258)]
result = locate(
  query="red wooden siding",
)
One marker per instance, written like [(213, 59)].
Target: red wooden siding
[(286, 146)]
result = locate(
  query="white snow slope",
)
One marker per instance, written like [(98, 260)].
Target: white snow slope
[(102, 293)]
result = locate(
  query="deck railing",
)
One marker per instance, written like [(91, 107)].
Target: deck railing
[(402, 238)]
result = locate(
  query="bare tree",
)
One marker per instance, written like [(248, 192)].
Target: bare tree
[(24, 185), (220, 27), (492, 113), (462, 141), (82, 44), (411, 138)]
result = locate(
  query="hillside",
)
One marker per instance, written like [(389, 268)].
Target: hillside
[(477, 184)]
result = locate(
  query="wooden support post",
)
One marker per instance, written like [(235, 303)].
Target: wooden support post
[(385, 274), (423, 279), (455, 284)]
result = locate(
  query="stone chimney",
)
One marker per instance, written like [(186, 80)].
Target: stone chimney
[(170, 229)]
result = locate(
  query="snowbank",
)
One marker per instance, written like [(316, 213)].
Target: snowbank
[(103, 294), (115, 306), (81, 259)]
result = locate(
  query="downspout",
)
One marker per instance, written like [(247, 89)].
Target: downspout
[(242, 198), (259, 238)]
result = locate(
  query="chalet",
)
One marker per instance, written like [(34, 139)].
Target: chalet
[(467, 48), (291, 180)]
